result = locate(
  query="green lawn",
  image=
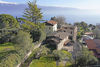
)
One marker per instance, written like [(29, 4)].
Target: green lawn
[(6, 49), (39, 63)]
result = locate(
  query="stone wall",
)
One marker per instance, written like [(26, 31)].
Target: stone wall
[(61, 44), (75, 33)]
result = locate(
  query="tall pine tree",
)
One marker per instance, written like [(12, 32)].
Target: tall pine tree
[(33, 13)]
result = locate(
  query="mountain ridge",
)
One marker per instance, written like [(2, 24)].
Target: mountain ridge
[(4, 2)]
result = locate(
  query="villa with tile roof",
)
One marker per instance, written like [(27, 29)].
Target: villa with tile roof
[(51, 25), (94, 45)]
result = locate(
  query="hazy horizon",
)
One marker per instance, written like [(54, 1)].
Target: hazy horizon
[(81, 4), (53, 8)]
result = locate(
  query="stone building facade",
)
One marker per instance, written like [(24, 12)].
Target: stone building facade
[(72, 30), (59, 37)]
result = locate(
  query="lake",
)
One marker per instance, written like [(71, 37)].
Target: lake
[(71, 14)]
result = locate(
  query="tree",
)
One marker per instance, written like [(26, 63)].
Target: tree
[(91, 26), (8, 27), (60, 20), (42, 51), (8, 22), (27, 25), (86, 58), (77, 24), (10, 61), (62, 55), (38, 35), (97, 33), (23, 43), (98, 25), (33, 13), (82, 28), (84, 25)]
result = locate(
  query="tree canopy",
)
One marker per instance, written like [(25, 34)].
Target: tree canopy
[(62, 55), (86, 58), (60, 20), (27, 25), (33, 13), (23, 42), (8, 21), (96, 31)]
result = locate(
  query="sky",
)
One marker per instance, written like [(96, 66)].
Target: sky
[(82, 4)]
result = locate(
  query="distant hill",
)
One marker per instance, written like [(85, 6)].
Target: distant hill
[(13, 9), (18, 9), (71, 14)]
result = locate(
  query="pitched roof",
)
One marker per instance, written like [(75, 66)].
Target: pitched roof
[(57, 36), (90, 44), (89, 33), (87, 37), (61, 35), (95, 46), (52, 22)]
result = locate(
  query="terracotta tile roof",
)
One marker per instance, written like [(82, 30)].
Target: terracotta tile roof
[(90, 44), (52, 22), (94, 45)]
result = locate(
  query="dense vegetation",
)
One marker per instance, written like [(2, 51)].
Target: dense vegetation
[(18, 36), (86, 58), (96, 31), (15, 50), (33, 13), (83, 27), (8, 22), (50, 59)]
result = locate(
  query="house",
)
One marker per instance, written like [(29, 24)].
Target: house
[(60, 37), (51, 25), (91, 34), (94, 45), (85, 37), (57, 39), (72, 30)]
